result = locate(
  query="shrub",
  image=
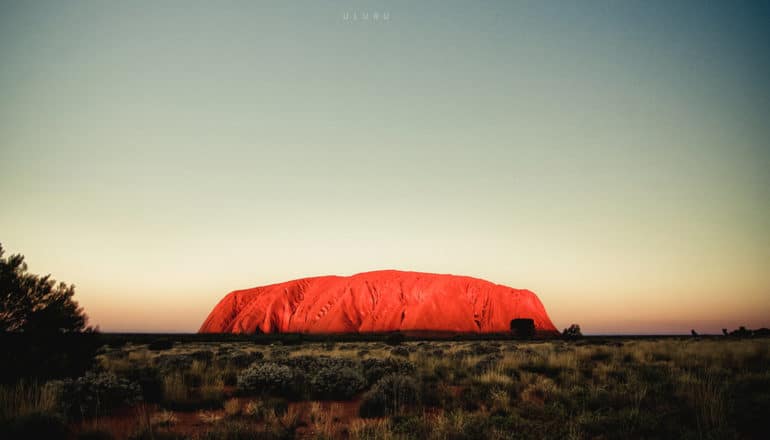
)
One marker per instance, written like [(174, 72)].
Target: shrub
[(486, 363), (572, 332), (96, 393), (374, 404), (167, 363), (278, 352), (149, 381), (268, 378), (337, 383), (375, 369), (484, 348), (202, 356), (390, 395), (437, 394), (400, 351), (460, 354), (472, 396), (239, 359), (315, 363), (437, 352)]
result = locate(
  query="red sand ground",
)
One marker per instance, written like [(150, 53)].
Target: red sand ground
[(373, 302)]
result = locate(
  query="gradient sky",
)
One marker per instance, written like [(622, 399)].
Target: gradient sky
[(611, 156)]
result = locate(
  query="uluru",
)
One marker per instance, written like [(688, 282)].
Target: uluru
[(378, 302)]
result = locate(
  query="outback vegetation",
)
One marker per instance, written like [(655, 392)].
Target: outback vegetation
[(578, 388)]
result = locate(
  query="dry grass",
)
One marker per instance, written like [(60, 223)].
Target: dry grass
[(209, 417), (576, 390), (232, 408), (27, 398), (164, 418)]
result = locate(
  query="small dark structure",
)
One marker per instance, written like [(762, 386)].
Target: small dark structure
[(523, 328)]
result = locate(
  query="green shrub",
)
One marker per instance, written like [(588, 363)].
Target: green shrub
[(168, 363), (278, 352), (310, 364), (486, 363), (97, 393), (460, 354), (267, 378), (375, 369), (482, 348), (239, 359), (336, 383), (390, 395), (202, 355), (572, 332), (374, 404), (149, 381), (436, 393), (400, 351)]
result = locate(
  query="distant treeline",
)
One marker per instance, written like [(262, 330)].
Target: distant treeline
[(116, 339), (743, 332)]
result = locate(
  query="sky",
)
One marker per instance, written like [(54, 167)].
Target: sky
[(611, 156)]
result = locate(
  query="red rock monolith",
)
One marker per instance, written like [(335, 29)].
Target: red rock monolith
[(375, 302)]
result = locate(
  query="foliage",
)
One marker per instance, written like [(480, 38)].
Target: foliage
[(400, 351), (572, 332), (374, 404), (594, 388), (31, 303), (376, 368), (43, 332), (97, 393), (268, 378), (390, 395), (337, 383)]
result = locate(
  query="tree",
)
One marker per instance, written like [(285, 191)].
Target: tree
[(43, 333), (572, 332), (36, 304)]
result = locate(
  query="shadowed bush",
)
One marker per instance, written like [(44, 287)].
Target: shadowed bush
[(390, 395), (268, 378), (336, 383)]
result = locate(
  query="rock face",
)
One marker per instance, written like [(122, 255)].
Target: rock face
[(381, 301)]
